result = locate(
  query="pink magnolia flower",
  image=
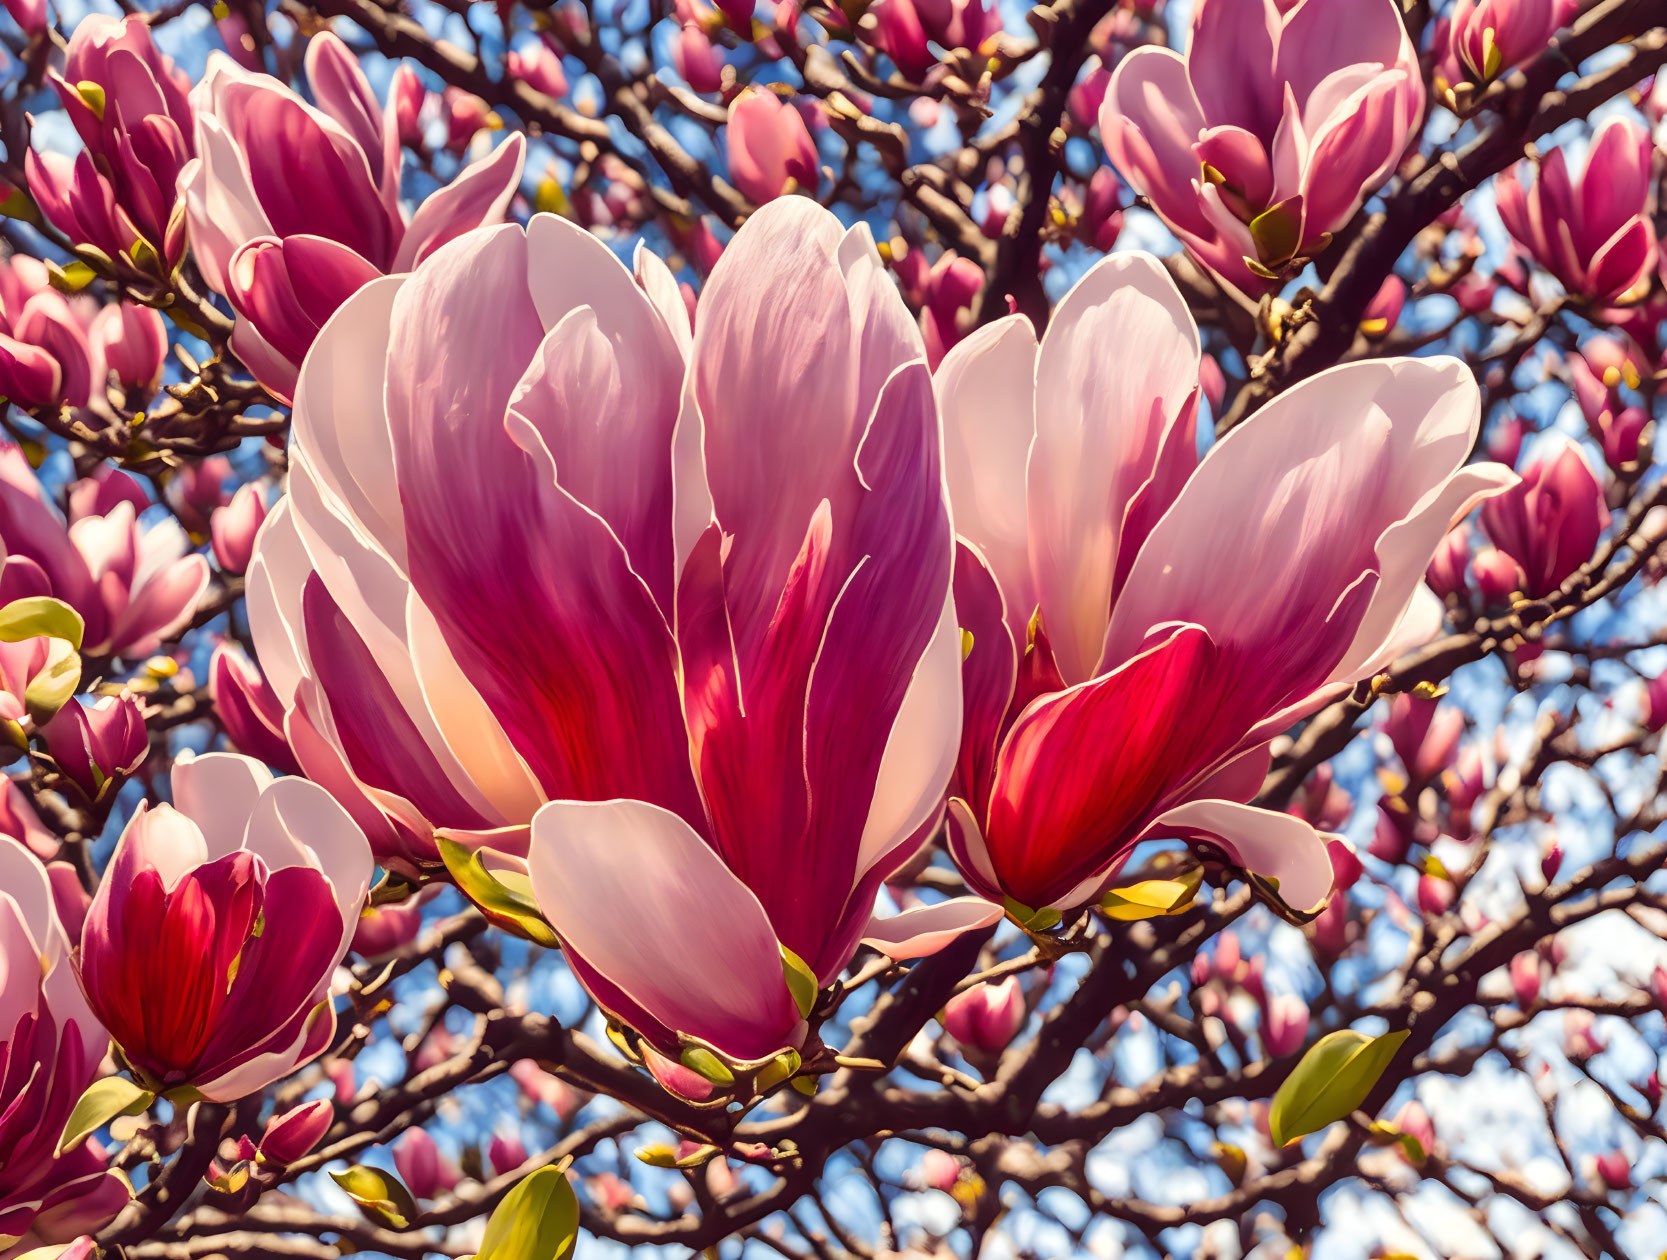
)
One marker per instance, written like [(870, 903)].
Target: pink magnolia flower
[(1425, 735), (770, 149), (505, 1153), (30, 15), (293, 206), (697, 59), (902, 29), (1269, 133), (538, 632), (211, 943), (130, 343), (293, 1133), (406, 97), (1550, 522), (128, 103), (986, 1017), (1092, 580), (1592, 231), (46, 359), (233, 528), (539, 66), (1445, 576), (98, 745), (1485, 38), (133, 585), (424, 1170), (1526, 970), (1284, 1025), (31, 674), (252, 715), (467, 115), (50, 1051), (1596, 374)]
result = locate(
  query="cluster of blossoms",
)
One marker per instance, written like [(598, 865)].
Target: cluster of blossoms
[(646, 617)]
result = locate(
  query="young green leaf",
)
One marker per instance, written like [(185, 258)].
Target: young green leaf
[(1333, 1079), (103, 1102), (537, 1220)]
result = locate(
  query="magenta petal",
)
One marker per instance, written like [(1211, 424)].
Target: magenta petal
[(637, 895)]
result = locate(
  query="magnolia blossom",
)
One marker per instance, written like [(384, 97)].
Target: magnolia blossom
[(1549, 524), (770, 149), (1143, 622), (45, 357), (253, 717), (1482, 39), (1592, 230), (902, 29), (132, 585), (32, 672), (293, 207), (700, 666), (50, 1051), (210, 946), (1269, 133), (128, 103), (130, 343)]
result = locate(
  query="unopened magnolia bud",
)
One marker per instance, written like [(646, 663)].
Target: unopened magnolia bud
[(291, 1135), (987, 1016)]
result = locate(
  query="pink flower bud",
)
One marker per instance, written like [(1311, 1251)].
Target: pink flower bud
[(97, 746), (1285, 1025), (505, 1153), (233, 527), (675, 1078), (1414, 1121), (343, 1079), (466, 116), (697, 60), (1384, 310), (252, 715), (898, 33), (1658, 985), (383, 929), (1551, 861), (290, 1136), (539, 67), (1498, 577), (131, 342), (1227, 956), (770, 149), (1330, 929), (121, 192), (1425, 735), (1551, 521), (1505, 439), (540, 1086), (1591, 230), (939, 1170), (986, 1017), (424, 1170), (1346, 868), (30, 15), (1488, 37), (233, 30), (951, 286), (408, 94), (1435, 895), (1525, 978), (1614, 1170), (263, 933), (1446, 572)]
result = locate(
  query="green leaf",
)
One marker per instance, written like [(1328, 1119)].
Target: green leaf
[(1333, 1079), (777, 1070), (40, 615), (51, 689), (659, 1155), (103, 1102), (503, 899), (1153, 898), (71, 277), (1031, 920), (702, 1062), (1277, 232), (801, 981), (380, 1196), (538, 1220), (93, 95)]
